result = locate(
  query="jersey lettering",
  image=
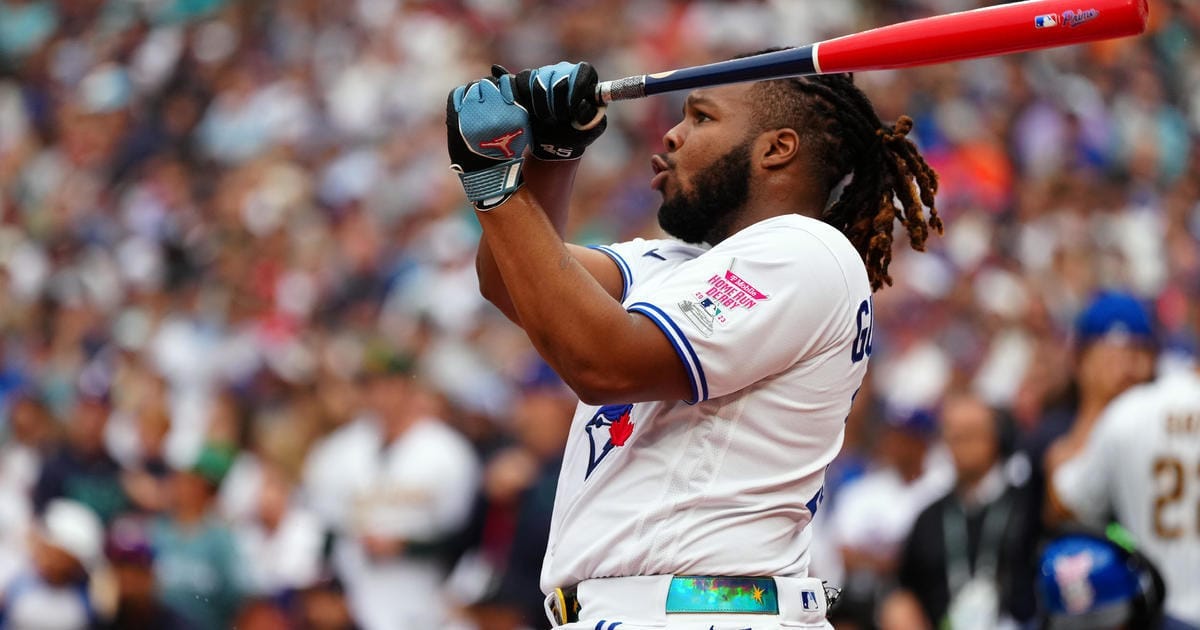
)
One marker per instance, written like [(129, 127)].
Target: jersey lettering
[(862, 341), (1174, 473)]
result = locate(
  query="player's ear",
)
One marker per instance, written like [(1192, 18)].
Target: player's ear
[(778, 147)]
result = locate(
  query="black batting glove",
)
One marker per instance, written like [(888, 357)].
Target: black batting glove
[(563, 113)]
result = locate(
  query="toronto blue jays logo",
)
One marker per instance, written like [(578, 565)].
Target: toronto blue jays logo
[(617, 419)]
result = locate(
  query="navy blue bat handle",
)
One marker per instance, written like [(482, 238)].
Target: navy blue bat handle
[(792, 62)]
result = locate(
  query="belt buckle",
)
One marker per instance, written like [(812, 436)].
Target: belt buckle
[(722, 594)]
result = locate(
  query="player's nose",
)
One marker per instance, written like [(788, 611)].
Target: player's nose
[(674, 137)]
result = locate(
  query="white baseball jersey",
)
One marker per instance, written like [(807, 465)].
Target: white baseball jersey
[(773, 326), (1142, 462)]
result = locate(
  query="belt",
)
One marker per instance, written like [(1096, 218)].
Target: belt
[(690, 594)]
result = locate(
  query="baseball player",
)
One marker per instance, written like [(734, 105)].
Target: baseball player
[(715, 368), (1141, 463)]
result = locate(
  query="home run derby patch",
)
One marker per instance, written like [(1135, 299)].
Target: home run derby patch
[(724, 294)]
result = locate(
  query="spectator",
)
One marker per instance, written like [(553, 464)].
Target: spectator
[(146, 478), (131, 559), (282, 544), (873, 514), (52, 593), (1135, 469), (196, 564), (400, 484), (206, 202), (81, 469), (1116, 350), (968, 560), (520, 483), (30, 435)]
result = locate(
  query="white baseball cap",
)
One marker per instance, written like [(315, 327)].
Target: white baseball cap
[(74, 528)]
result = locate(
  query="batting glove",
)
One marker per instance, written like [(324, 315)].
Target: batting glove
[(486, 135), (563, 113)]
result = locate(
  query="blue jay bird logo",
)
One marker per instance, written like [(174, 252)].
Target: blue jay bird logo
[(617, 419)]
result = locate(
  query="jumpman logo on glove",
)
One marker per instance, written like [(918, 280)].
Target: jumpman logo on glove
[(503, 142)]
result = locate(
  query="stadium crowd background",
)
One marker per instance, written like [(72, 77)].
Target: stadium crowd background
[(228, 237)]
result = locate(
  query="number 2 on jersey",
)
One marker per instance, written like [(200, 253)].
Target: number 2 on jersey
[(866, 322), (1176, 476)]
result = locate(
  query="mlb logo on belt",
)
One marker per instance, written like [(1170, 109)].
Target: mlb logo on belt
[(809, 600)]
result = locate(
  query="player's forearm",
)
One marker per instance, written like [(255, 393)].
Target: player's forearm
[(550, 183), (570, 318)]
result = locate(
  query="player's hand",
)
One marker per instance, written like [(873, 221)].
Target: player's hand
[(560, 99), (486, 135)]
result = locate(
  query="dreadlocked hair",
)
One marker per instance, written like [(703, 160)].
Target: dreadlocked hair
[(846, 139)]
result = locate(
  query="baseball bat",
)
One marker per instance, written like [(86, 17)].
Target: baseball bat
[(997, 30)]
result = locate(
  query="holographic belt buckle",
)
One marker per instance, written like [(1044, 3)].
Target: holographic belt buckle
[(712, 594)]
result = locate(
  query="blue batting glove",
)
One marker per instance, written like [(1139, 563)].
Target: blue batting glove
[(486, 135)]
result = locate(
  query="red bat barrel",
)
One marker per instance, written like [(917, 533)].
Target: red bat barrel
[(998, 30)]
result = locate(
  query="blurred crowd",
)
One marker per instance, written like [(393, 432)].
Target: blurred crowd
[(247, 379)]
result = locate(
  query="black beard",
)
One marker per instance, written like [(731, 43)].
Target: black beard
[(705, 214)]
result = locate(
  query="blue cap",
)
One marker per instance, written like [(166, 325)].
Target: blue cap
[(1086, 582), (1114, 315), (920, 421)]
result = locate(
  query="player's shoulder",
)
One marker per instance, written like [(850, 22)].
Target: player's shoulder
[(795, 234), (639, 252), (795, 243)]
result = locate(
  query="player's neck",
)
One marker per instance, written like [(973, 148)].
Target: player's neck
[(759, 209), (772, 193)]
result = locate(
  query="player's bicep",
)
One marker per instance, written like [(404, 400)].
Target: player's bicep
[(604, 268), (644, 363)]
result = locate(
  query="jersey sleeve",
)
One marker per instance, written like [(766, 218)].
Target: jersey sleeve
[(1083, 484), (641, 259), (741, 313)]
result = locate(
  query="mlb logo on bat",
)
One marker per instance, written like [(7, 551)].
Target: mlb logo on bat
[(1046, 21)]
